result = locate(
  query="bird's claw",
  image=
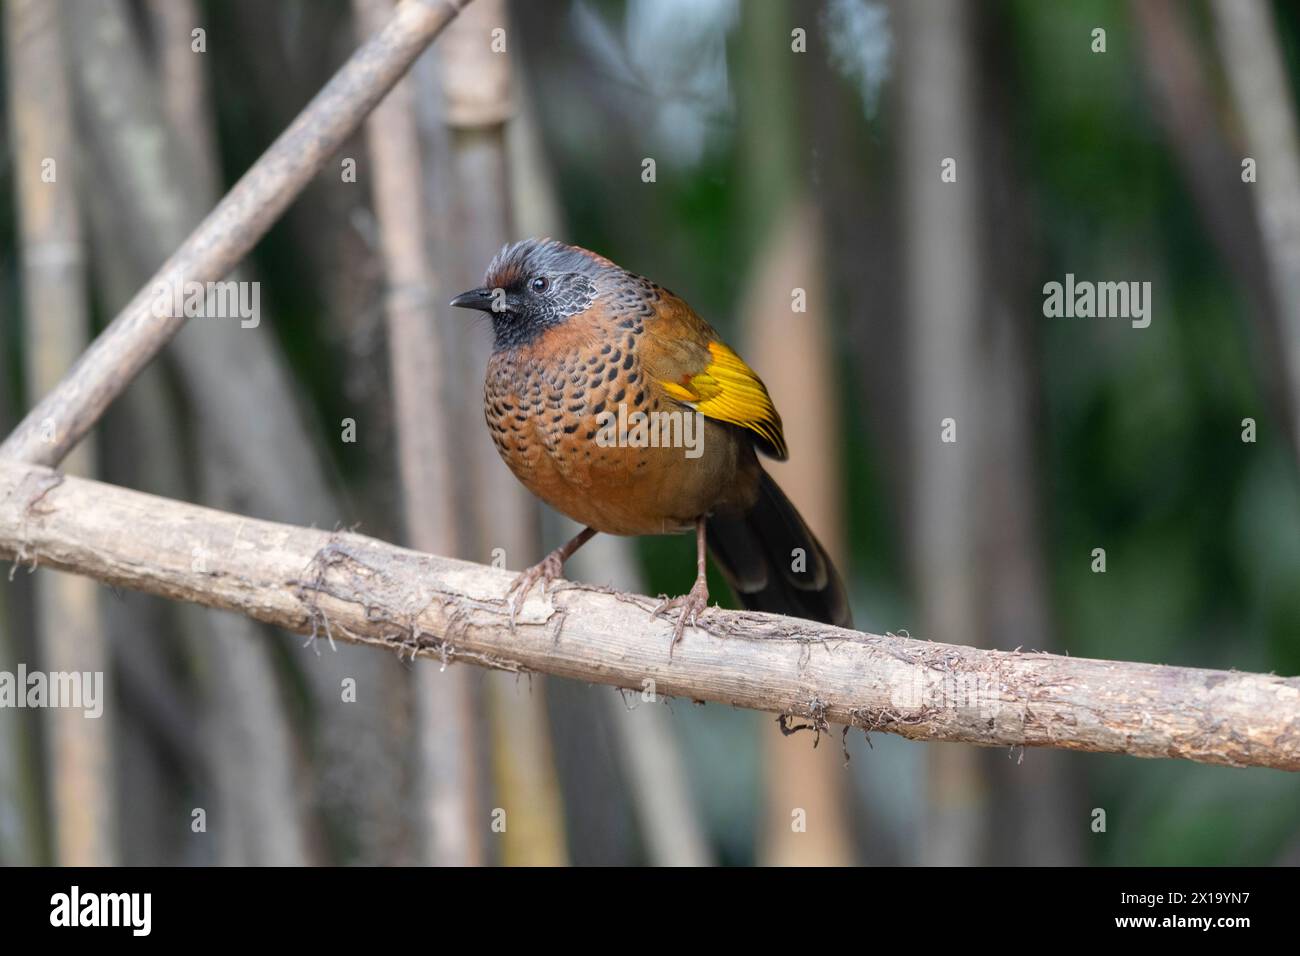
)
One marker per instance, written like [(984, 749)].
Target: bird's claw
[(690, 606), (546, 571)]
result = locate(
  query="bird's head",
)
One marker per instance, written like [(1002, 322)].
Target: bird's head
[(533, 285)]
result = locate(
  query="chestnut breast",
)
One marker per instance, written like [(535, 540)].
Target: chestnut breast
[(554, 406)]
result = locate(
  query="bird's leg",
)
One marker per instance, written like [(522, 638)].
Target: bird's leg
[(546, 571), (696, 601)]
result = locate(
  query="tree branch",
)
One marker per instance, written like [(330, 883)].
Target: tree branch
[(135, 336), (346, 587)]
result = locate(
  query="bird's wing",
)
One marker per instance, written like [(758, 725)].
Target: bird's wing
[(695, 367)]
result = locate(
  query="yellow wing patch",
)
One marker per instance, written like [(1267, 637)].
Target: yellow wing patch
[(729, 391)]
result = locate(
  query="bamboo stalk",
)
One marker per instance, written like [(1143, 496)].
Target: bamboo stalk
[(1257, 78), (801, 377), (70, 632), (787, 253), (475, 81), (940, 220), (444, 704)]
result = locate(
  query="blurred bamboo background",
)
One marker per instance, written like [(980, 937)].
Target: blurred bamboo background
[(799, 202)]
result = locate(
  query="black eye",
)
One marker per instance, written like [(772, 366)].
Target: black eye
[(539, 283)]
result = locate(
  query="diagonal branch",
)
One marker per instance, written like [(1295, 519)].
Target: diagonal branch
[(135, 336), (346, 587)]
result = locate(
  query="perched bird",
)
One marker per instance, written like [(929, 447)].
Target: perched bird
[(613, 402)]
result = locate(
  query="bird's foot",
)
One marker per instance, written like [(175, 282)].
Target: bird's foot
[(545, 570), (689, 607)]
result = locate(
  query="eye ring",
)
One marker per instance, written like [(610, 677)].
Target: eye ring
[(539, 283)]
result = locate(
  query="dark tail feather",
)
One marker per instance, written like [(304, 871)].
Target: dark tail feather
[(774, 563)]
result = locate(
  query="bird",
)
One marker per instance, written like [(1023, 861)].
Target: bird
[(611, 400)]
